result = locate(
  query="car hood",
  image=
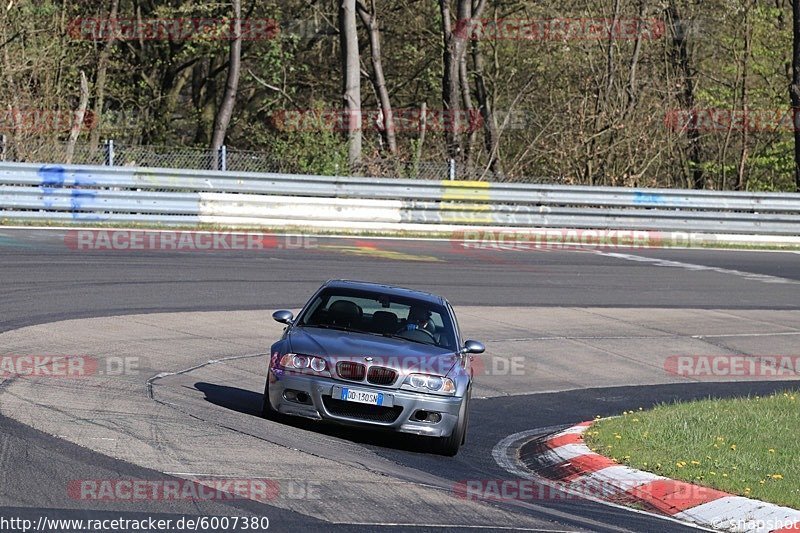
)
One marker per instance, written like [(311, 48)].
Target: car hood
[(405, 356)]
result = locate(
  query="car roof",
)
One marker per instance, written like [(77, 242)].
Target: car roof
[(385, 289)]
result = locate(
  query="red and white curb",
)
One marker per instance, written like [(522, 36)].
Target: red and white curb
[(564, 457)]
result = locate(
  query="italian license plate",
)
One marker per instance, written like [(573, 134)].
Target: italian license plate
[(360, 396)]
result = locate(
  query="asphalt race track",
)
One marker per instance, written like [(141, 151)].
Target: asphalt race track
[(571, 334)]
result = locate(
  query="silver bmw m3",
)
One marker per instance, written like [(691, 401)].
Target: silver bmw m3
[(374, 356)]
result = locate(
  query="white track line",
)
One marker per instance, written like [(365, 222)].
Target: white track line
[(460, 526), (149, 383), (726, 335), (763, 278)]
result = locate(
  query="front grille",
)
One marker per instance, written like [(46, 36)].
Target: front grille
[(379, 375), (360, 411), (351, 371)]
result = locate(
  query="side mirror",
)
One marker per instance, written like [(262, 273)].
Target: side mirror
[(473, 347), (284, 317)]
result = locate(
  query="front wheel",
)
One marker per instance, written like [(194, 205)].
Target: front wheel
[(449, 446), (267, 411)]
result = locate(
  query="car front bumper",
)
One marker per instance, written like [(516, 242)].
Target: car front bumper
[(320, 407)]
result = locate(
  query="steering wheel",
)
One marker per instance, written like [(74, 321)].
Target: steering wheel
[(409, 334)]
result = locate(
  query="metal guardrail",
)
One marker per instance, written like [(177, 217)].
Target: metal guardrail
[(124, 194)]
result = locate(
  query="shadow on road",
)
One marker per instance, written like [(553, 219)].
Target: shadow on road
[(249, 403)]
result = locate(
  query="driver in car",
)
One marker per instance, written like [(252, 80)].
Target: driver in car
[(418, 319)]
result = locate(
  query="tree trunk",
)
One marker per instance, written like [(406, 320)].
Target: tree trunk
[(351, 80), (450, 93), (492, 139), (77, 122), (464, 14), (225, 112), (100, 82), (630, 103), (794, 89), (423, 128), (370, 21), (491, 135), (680, 58), (204, 90), (741, 181)]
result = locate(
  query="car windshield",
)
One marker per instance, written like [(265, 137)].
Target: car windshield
[(381, 314)]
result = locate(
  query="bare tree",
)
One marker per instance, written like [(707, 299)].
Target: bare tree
[(463, 14), (225, 111), (450, 82), (492, 139), (77, 122), (423, 129), (741, 177), (100, 80), (682, 62), (351, 79), (794, 89), (370, 20)]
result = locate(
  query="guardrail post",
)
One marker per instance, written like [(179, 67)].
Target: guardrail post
[(223, 158), (2, 147), (109, 153), (451, 165)]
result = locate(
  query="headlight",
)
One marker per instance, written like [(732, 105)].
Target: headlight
[(318, 364), (307, 363), (426, 383)]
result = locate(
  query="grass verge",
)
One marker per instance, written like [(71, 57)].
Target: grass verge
[(744, 446)]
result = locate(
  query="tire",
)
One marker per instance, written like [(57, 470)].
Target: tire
[(450, 445), (267, 411), (466, 420)]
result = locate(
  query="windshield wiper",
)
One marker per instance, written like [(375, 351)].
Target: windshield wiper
[(326, 326), (338, 328), (350, 330), (395, 336)]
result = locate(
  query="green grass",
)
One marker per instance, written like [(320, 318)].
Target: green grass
[(744, 446)]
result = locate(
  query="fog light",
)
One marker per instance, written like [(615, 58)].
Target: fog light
[(426, 416)]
